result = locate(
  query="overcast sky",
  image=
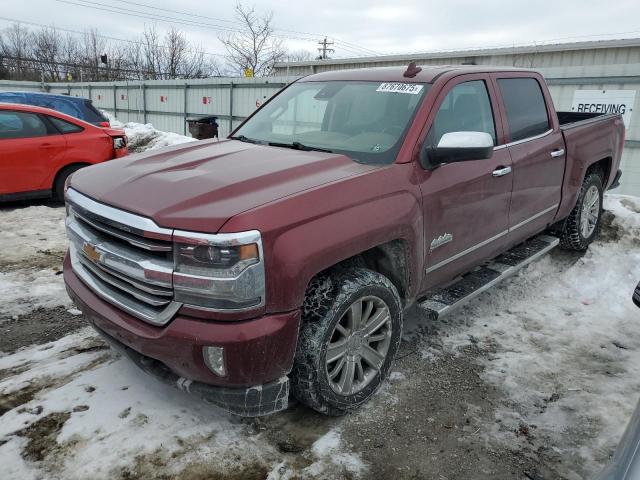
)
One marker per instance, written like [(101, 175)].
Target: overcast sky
[(357, 26)]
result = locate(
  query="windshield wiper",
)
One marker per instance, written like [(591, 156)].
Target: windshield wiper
[(242, 138), (299, 146)]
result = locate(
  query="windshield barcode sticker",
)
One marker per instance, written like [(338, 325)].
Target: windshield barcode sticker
[(411, 88)]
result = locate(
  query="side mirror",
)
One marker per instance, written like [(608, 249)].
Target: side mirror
[(458, 147)]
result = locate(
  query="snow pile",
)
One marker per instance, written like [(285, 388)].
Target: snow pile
[(568, 344), (143, 137)]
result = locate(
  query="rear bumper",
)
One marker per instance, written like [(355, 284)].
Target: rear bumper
[(258, 353), (616, 180)]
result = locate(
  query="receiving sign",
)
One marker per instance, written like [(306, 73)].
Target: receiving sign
[(605, 101)]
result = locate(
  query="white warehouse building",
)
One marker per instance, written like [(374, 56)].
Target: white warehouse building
[(606, 72)]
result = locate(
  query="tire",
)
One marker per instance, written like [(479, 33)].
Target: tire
[(61, 178), (574, 235), (328, 311)]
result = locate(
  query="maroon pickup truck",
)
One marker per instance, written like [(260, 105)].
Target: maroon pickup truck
[(284, 257)]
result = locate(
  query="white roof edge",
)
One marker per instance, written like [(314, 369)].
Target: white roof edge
[(477, 52)]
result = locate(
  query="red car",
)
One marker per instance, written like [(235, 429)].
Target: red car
[(40, 148)]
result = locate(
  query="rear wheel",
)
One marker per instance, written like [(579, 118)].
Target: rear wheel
[(350, 333), (583, 224), (61, 178)]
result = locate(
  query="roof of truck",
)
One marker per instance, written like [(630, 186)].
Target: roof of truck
[(395, 74)]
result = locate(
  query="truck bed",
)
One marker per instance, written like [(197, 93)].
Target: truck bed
[(574, 119)]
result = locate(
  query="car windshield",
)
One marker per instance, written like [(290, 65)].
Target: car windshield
[(366, 121)]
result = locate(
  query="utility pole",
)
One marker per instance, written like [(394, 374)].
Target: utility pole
[(324, 50)]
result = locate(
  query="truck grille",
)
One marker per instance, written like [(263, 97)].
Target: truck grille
[(124, 258)]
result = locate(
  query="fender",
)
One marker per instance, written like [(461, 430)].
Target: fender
[(316, 229)]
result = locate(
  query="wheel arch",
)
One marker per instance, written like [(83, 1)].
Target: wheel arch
[(66, 168)]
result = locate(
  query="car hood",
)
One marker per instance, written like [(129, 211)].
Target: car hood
[(198, 186)]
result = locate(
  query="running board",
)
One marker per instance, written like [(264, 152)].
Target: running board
[(445, 300)]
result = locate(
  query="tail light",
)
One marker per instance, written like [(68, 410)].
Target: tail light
[(120, 146), (104, 124)]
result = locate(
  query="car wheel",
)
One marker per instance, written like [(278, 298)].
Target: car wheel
[(61, 178), (583, 223), (350, 333)]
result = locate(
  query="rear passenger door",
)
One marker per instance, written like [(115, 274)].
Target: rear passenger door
[(29, 149), (537, 153)]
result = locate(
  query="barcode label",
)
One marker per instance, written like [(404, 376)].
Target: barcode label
[(411, 88)]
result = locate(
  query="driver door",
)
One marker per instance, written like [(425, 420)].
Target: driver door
[(465, 204)]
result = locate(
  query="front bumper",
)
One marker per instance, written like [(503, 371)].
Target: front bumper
[(258, 352)]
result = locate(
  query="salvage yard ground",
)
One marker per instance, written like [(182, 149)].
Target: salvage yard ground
[(535, 379)]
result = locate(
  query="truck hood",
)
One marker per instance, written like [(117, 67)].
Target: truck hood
[(198, 186)]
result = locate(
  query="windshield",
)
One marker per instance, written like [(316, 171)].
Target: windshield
[(364, 120)]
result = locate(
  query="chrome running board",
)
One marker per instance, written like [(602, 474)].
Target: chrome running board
[(443, 301)]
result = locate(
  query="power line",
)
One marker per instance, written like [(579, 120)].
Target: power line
[(183, 12), (106, 37), (192, 23)]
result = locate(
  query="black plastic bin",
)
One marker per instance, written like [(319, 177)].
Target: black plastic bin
[(203, 127)]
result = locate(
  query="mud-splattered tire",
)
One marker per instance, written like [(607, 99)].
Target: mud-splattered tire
[(330, 326), (575, 234)]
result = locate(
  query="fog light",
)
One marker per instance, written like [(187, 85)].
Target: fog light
[(214, 358)]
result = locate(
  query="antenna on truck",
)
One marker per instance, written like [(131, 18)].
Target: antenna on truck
[(412, 70)]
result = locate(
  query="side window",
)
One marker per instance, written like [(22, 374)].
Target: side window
[(525, 105), (466, 108), (64, 126), (21, 125)]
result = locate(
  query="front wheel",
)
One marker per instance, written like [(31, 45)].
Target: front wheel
[(583, 223), (350, 333)]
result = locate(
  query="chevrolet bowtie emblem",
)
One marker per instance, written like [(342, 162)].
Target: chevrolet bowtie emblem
[(91, 253), (441, 240)]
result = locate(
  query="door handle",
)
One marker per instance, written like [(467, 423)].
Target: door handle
[(557, 153), (500, 172)]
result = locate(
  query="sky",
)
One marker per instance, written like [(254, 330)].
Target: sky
[(357, 27)]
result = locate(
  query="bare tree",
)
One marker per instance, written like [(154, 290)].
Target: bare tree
[(255, 45), (15, 48), (48, 55)]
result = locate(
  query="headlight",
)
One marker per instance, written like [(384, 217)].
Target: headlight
[(219, 272)]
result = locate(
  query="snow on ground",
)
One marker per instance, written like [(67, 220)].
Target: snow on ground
[(144, 137), (27, 231), (25, 290), (568, 343), (34, 238), (119, 420)]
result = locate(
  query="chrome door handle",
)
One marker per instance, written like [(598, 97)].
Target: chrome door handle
[(500, 172), (557, 153)]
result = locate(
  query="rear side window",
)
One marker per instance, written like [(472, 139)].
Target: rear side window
[(21, 125), (92, 114), (466, 108), (526, 109), (64, 126)]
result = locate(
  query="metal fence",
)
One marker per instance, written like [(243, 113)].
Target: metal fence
[(168, 103)]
